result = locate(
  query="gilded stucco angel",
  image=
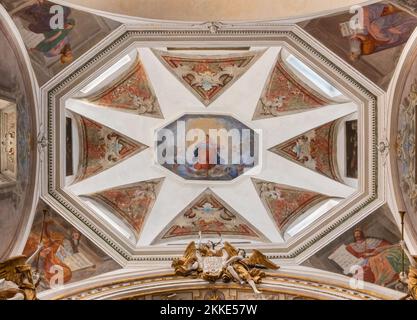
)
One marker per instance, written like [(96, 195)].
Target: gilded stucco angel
[(411, 279), (188, 264), (192, 262), (17, 273), (243, 269), (213, 261)]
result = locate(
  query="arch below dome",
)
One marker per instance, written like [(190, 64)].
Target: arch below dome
[(287, 283), (18, 89)]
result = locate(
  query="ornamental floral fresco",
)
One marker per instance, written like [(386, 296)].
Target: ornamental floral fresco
[(369, 251), (285, 203), (213, 217), (285, 93), (132, 92), (315, 149), (374, 47), (207, 77), (52, 49), (131, 203), (102, 147), (67, 255)]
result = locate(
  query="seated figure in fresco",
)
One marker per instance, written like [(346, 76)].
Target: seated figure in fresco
[(37, 18), (384, 26), (209, 163), (381, 261), (203, 153), (49, 255)]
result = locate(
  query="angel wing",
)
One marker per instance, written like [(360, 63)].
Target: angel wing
[(259, 260), (231, 250), (190, 251), (8, 268), (189, 255)]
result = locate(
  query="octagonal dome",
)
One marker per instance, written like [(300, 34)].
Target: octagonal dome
[(309, 173)]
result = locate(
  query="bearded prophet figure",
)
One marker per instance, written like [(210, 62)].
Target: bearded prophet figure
[(384, 26), (380, 260), (38, 18)]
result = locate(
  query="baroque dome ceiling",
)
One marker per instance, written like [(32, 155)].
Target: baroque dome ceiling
[(298, 121), (208, 88), (270, 136)]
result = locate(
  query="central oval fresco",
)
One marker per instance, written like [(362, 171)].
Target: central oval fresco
[(207, 147)]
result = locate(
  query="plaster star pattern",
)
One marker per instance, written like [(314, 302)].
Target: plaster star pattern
[(111, 240), (131, 203), (284, 203), (285, 93), (212, 216), (315, 149), (102, 147), (208, 76), (132, 92), (406, 148)]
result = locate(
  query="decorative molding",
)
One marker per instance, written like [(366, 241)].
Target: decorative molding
[(8, 137), (213, 26), (299, 281)]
